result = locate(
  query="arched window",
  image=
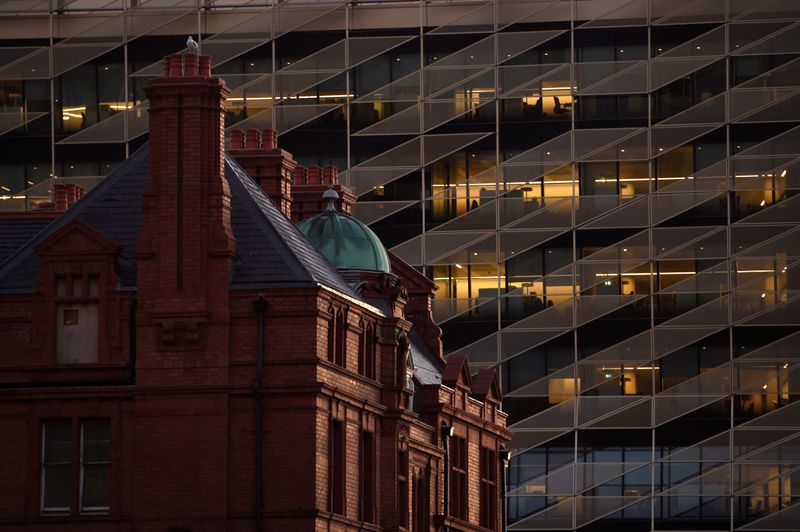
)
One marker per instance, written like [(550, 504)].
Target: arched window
[(332, 335), (340, 343), (366, 352)]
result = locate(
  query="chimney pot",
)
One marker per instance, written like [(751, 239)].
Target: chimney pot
[(330, 175), (237, 139), (300, 175), (60, 197), (175, 66), (205, 66), (72, 193), (269, 138), (314, 175), (252, 139), (190, 65)]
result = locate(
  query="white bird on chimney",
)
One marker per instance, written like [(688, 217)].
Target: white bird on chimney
[(192, 44)]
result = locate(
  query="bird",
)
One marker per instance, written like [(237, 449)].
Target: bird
[(192, 44)]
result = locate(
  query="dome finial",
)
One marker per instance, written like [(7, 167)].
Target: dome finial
[(331, 197)]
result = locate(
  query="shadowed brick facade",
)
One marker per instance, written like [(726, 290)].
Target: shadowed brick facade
[(178, 356)]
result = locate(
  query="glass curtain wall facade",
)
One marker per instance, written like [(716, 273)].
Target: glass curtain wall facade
[(605, 192)]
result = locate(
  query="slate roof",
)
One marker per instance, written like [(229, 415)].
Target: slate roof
[(16, 233), (269, 246), (270, 249), (427, 368)]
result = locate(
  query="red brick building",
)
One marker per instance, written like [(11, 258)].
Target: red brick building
[(177, 356)]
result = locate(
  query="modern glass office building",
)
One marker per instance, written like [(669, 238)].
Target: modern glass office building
[(604, 190)]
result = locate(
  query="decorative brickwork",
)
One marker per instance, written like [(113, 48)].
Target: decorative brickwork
[(241, 387)]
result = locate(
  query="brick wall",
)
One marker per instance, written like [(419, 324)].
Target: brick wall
[(183, 426)]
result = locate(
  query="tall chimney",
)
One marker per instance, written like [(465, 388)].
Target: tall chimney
[(186, 246), (272, 168)]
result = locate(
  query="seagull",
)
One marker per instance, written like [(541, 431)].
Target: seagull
[(192, 44)]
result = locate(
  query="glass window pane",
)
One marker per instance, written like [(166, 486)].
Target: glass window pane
[(56, 487), (95, 434), (58, 441), (96, 440), (95, 486)]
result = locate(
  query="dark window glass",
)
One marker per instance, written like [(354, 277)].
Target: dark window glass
[(402, 489), (95, 457), (368, 476), (341, 340), (489, 467), (56, 465), (458, 477), (420, 497), (366, 352), (337, 468)]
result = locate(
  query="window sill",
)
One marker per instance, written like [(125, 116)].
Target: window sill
[(57, 367), (363, 525), (98, 515), (453, 523)]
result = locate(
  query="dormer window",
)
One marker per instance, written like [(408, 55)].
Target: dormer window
[(76, 275), (77, 318)]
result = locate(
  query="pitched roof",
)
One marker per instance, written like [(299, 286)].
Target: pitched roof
[(484, 383), (456, 370), (16, 232), (270, 249), (427, 367), (112, 208)]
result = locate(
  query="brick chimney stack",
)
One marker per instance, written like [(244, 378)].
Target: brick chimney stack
[(186, 246), (309, 185), (272, 168)]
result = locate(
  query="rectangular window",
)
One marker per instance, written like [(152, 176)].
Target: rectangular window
[(368, 477), (56, 465), (58, 483), (402, 489), (95, 453), (420, 501), (458, 477), (489, 467), (337, 472)]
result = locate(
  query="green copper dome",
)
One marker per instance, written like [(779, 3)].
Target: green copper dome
[(346, 242)]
